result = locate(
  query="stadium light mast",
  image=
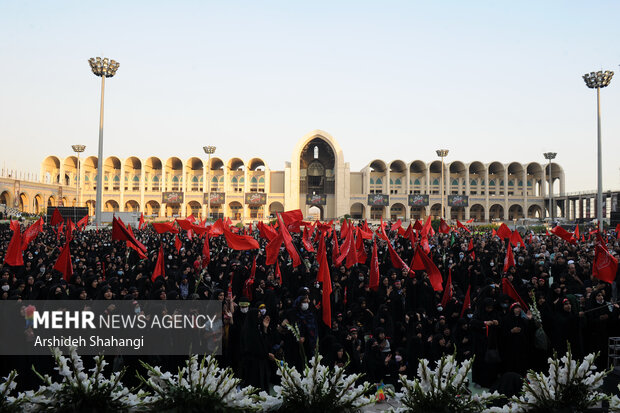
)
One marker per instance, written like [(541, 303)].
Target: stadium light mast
[(209, 150), (78, 149), (598, 80), (442, 153), (103, 68), (550, 156)]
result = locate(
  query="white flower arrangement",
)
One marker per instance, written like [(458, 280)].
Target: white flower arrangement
[(569, 386), (443, 389), (10, 403), (80, 391), (534, 309), (320, 389), (201, 387)]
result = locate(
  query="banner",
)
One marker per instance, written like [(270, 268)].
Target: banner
[(60, 201), (418, 200), (255, 198), (215, 198), (458, 200), (172, 197), (378, 200), (16, 194), (316, 199)]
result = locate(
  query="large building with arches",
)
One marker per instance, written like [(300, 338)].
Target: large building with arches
[(317, 180)]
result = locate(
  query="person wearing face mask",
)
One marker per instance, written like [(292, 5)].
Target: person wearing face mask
[(599, 313), (307, 324)]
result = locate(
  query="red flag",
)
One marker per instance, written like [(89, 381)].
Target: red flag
[(447, 291), (459, 225), (510, 291), (469, 221), (63, 263), (292, 217), (359, 247), (278, 274), (466, 301), (56, 218), (335, 248), (397, 262), (417, 225), (162, 227), (504, 232), (14, 256), (509, 259), (306, 240), (288, 241), (381, 231), (547, 232), (344, 229), (70, 228), (564, 234), (426, 228), (429, 266), (184, 224), (344, 249), (82, 222), (494, 233), (141, 222), (240, 242), (160, 269), (396, 225), (249, 283), (206, 252), (470, 247), (374, 268), (605, 265), (120, 233), (617, 229), (515, 238), (424, 244), (267, 231), (31, 233), (327, 289), (444, 228), (191, 218), (177, 243), (138, 246), (352, 254)]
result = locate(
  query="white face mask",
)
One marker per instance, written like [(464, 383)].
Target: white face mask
[(398, 358), (304, 306), (244, 309), (263, 311)]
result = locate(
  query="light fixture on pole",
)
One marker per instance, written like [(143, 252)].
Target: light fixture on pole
[(78, 149), (442, 153), (209, 150), (102, 68), (597, 81), (550, 156)]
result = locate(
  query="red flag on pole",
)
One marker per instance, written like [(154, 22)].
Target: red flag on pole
[(564, 234), (447, 291), (327, 289), (508, 289), (278, 274), (576, 233), (605, 265), (177, 243), (240, 242), (138, 247), (397, 262), (141, 222), (470, 248), (515, 238), (469, 221), (459, 225), (82, 222), (31, 233), (249, 283), (206, 252), (14, 256), (63, 263), (504, 232), (396, 225), (359, 247), (466, 301), (56, 218), (120, 233), (374, 268), (426, 228), (421, 261), (335, 248), (163, 227), (160, 269), (59, 230), (509, 259), (444, 228), (288, 241)]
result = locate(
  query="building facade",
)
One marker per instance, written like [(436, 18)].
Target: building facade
[(317, 180)]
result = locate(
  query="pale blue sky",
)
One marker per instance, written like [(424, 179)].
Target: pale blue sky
[(490, 80)]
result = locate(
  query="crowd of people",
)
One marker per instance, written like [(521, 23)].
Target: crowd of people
[(382, 331)]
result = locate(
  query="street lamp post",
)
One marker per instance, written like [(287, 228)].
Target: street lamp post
[(597, 81), (442, 153), (550, 156), (102, 68), (78, 149), (209, 150)]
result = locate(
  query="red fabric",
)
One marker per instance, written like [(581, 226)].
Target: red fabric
[(82, 222), (184, 224), (59, 230), (321, 251), (325, 277), (509, 290), (120, 233), (444, 228), (515, 238), (617, 229), (469, 221), (177, 243), (227, 223), (509, 259), (63, 263), (344, 249), (564, 234), (335, 248), (249, 283), (163, 227), (396, 225), (466, 301), (447, 291), (138, 247), (56, 218), (381, 231), (426, 228), (374, 268), (306, 240), (217, 228), (459, 225), (344, 229), (267, 231), (397, 262), (431, 269), (352, 255), (14, 256), (273, 249), (206, 252), (470, 247), (31, 233), (494, 233), (278, 273), (160, 268), (292, 217), (288, 241), (70, 228), (547, 232), (504, 232), (359, 247), (417, 225), (191, 218), (240, 242), (141, 222), (576, 233), (605, 266)]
